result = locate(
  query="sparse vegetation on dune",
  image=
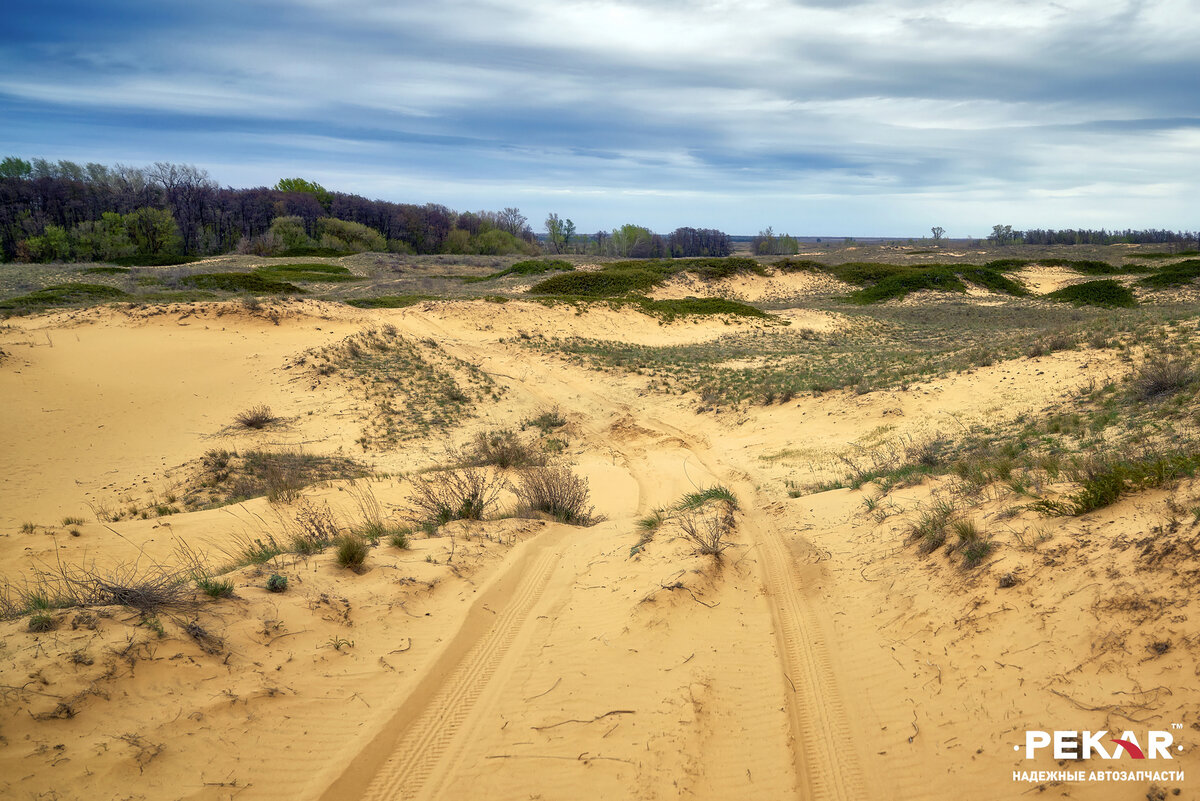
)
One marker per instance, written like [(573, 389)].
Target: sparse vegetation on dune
[(412, 386)]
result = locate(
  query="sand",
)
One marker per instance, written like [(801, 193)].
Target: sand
[(518, 658)]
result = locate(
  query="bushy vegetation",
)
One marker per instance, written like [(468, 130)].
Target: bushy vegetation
[(554, 490), (251, 283), (630, 277), (880, 281), (1172, 275), (313, 273), (464, 493), (527, 267), (390, 301), (61, 295), (1106, 293)]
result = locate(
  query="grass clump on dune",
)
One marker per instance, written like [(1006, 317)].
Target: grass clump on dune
[(717, 492), (606, 283), (316, 273), (389, 301), (527, 267), (1173, 275), (638, 276), (62, 295), (252, 283), (1106, 293)]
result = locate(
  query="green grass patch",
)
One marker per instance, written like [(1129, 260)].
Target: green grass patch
[(1107, 294), (62, 295)]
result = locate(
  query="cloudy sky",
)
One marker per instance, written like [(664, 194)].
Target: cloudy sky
[(818, 117)]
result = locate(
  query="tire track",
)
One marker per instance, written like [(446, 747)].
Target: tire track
[(826, 763), (420, 738)]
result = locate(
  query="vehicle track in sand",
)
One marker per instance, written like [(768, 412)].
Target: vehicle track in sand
[(825, 760), (405, 759)]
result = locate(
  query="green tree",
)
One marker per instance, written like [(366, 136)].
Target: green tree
[(559, 233), (308, 187), (13, 167), (153, 232), (1002, 234)]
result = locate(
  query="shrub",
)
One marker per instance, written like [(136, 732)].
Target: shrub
[(1163, 376), (547, 420), (41, 623), (313, 528), (256, 417), (1050, 343), (277, 583), (555, 490), (352, 551), (1107, 294), (707, 532), (400, 539), (504, 450), (464, 493)]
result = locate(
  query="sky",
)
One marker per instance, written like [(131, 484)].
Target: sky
[(815, 118)]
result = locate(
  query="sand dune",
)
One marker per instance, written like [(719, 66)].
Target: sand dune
[(820, 658)]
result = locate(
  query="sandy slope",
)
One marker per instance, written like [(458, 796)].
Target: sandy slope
[(522, 659)]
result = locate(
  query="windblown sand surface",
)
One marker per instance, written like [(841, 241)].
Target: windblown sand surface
[(525, 658)]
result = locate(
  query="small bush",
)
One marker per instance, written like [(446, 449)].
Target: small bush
[(1106, 294), (708, 532), (546, 420), (1162, 377), (352, 551), (256, 417), (400, 539), (277, 583), (41, 623), (465, 493), (504, 450), (555, 490), (1051, 343)]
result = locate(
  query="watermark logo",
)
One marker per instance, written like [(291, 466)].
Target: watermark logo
[(1155, 746), (1091, 745)]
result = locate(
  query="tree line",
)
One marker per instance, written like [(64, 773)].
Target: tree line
[(68, 211)]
